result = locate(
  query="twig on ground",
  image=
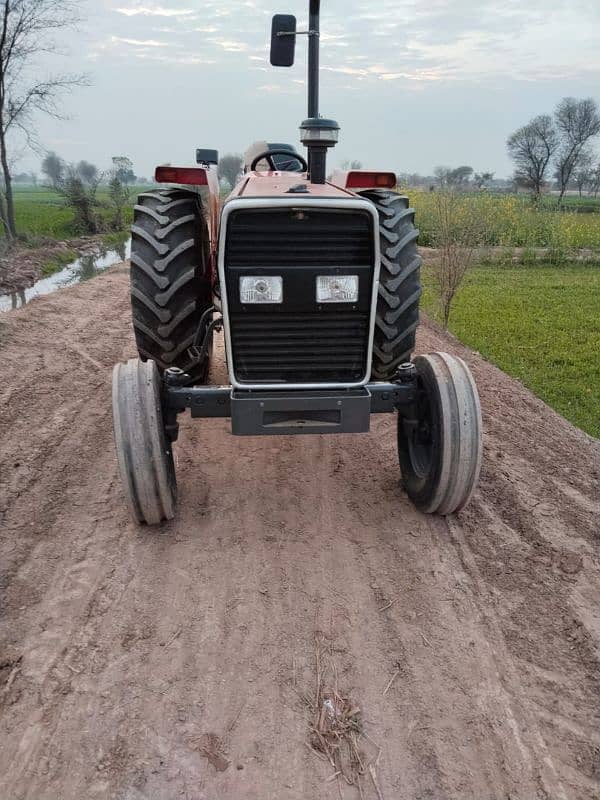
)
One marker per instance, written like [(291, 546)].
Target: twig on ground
[(374, 779), (175, 636), (392, 679)]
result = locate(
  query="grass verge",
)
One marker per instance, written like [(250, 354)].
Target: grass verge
[(540, 324)]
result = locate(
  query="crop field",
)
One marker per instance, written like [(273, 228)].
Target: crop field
[(513, 221), (42, 212), (540, 324), (508, 220)]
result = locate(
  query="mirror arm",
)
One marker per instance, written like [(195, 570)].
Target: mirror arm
[(298, 33)]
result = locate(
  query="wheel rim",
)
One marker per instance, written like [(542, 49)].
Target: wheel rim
[(420, 439)]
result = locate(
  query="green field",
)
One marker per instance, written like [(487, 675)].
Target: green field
[(540, 324), (42, 212)]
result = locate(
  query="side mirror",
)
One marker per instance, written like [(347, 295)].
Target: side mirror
[(283, 40), (207, 156)]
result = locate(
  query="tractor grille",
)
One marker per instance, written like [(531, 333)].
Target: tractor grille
[(299, 341), (300, 348), (323, 238)]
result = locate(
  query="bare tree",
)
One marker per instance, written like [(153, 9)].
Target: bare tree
[(595, 180), (441, 174), (582, 175), (532, 148), (577, 122), (25, 32), (230, 167)]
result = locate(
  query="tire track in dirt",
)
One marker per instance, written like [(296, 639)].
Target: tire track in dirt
[(138, 647)]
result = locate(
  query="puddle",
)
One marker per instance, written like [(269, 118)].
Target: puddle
[(82, 269)]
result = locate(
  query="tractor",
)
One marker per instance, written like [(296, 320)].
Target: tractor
[(315, 284)]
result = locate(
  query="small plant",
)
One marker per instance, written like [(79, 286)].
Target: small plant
[(457, 231), (119, 199)]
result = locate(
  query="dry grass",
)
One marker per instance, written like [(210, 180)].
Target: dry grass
[(336, 730)]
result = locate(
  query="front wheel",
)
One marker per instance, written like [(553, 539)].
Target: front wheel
[(440, 448), (143, 450)]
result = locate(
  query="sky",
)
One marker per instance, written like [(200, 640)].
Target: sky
[(413, 83)]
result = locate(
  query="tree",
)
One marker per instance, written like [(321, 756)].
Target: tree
[(87, 172), (577, 122), (441, 175), (78, 190), (460, 176), (595, 180), (119, 198), (348, 165), (453, 178), (25, 32), (230, 167), (123, 169), (582, 175), (532, 147), (481, 178), (53, 167)]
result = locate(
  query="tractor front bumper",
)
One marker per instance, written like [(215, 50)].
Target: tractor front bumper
[(269, 413)]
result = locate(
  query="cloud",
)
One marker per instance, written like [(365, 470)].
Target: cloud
[(154, 11), (231, 45), (138, 42)]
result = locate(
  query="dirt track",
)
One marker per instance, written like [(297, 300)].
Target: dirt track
[(126, 652)]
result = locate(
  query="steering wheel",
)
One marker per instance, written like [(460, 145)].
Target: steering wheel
[(267, 155)]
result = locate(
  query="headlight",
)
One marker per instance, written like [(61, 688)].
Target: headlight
[(261, 289), (337, 288)]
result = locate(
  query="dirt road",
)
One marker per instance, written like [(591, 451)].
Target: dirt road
[(181, 663)]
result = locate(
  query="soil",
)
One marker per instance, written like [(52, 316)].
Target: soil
[(22, 266), (183, 662)]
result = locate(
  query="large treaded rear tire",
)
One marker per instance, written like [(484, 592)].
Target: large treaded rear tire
[(399, 283), (170, 277)]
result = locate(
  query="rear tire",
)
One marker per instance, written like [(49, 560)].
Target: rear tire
[(440, 452), (399, 283), (143, 451), (170, 277)]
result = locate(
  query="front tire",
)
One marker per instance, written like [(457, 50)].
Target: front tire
[(441, 450), (144, 453), (170, 277), (399, 283)]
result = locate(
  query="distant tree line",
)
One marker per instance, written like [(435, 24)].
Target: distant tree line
[(558, 145)]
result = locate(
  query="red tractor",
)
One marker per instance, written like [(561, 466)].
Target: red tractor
[(315, 284)]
